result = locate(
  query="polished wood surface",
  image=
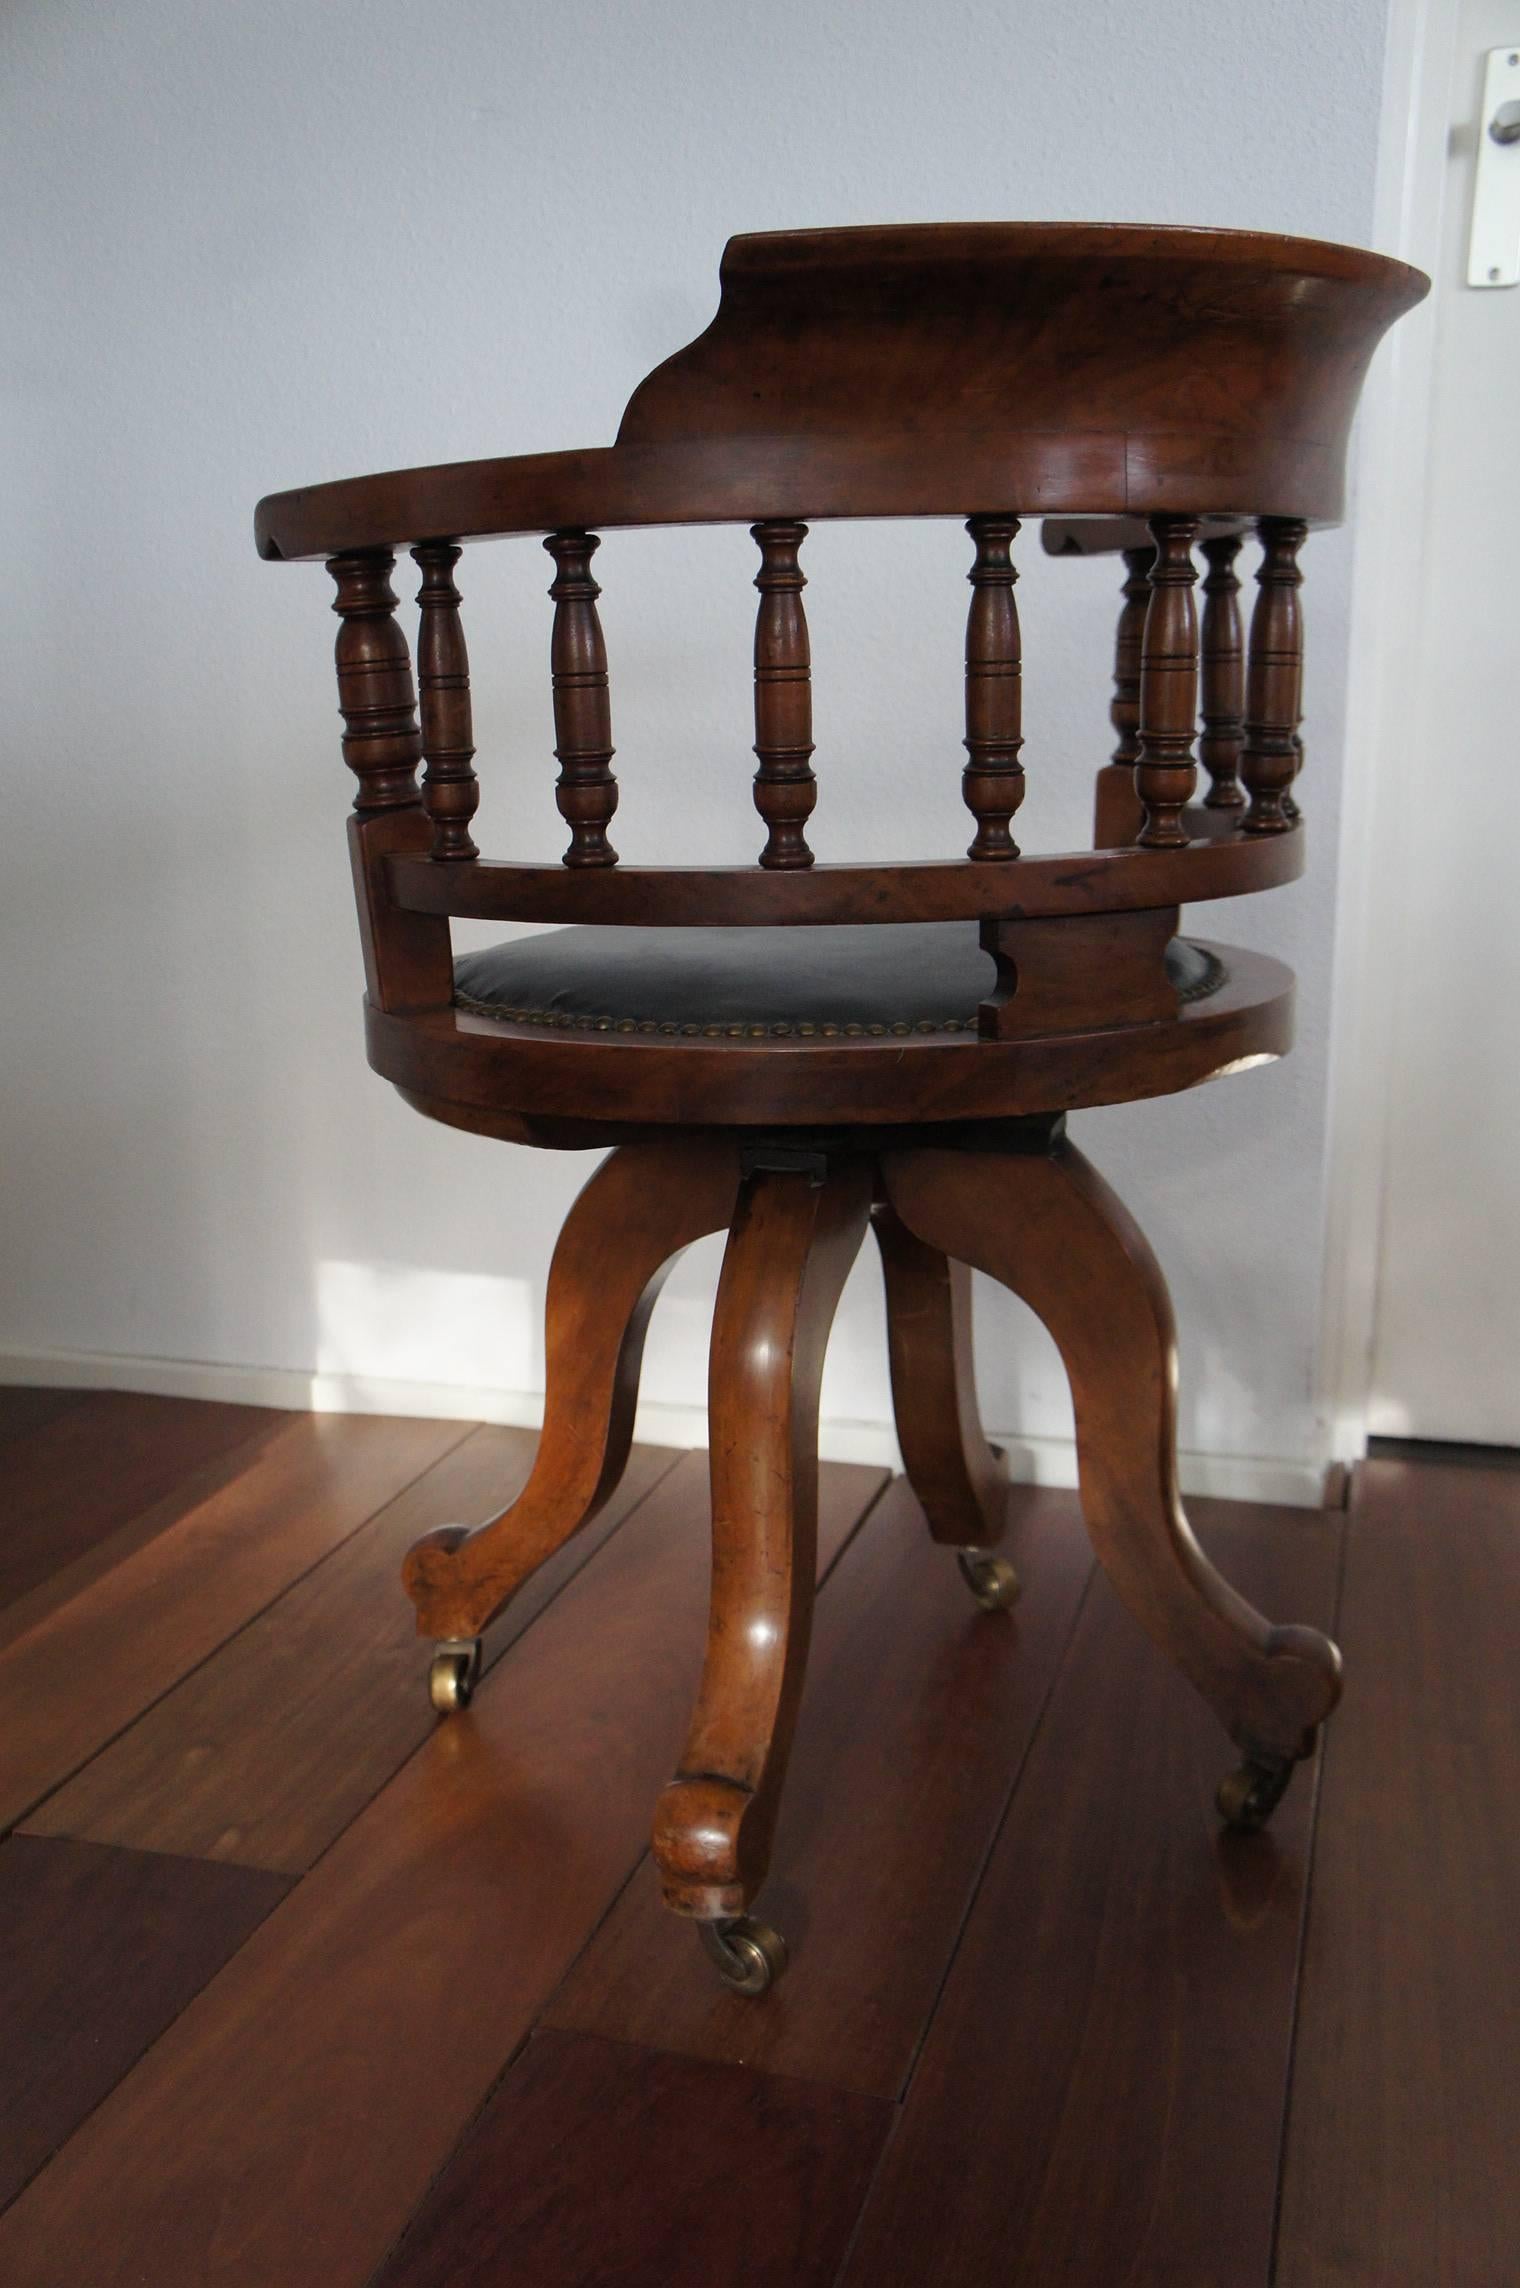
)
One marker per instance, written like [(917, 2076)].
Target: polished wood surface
[(1274, 680), (1164, 772), (992, 783), (918, 1715), (792, 1241), (1406, 2090), (135, 1630), (1242, 355), (266, 1753), (450, 791), (1007, 1905), (462, 1061), (696, 2174), (961, 1480), (85, 1463), (1141, 1977), (785, 788), (1049, 1228), (587, 792), (1222, 696), (642, 1206), (103, 1949)]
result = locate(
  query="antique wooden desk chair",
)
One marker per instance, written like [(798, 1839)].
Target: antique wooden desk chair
[(788, 1052)]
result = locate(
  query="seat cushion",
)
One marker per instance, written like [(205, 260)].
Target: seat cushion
[(787, 983)]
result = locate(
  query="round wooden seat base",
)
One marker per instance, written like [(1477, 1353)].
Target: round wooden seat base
[(532, 1085)]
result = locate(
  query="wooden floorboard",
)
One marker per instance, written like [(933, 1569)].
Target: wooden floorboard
[(269, 1749), (917, 1712), (286, 2126), (597, 2161), (1100, 2096), (26, 1406), (90, 1667), (102, 1950), (1404, 2124), (86, 1467)]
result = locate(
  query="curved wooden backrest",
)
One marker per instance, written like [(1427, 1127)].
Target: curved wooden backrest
[(1142, 389)]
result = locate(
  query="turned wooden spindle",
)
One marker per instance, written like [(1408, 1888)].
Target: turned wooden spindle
[(586, 791), (1274, 680), (1164, 774), (1129, 636), (1223, 697), (992, 782), (785, 788), (450, 790), (381, 742)]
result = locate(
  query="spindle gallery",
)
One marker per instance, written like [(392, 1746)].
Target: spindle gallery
[(789, 1052)]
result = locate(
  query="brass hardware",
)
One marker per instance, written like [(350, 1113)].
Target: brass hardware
[(1248, 1796), (749, 1956), (454, 1674), (991, 1580)]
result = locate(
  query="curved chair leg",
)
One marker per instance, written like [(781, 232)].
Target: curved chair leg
[(645, 1203), (960, 1480), (1050, 1229), (790, 1248)]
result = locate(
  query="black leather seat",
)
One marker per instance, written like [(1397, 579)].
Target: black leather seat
[(875, 979)]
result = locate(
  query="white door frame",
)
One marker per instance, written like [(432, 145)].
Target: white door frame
[(1391, 472)]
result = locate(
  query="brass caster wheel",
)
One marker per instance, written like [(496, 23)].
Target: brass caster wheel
[(749, 1956), (991, 1580), (454, 1675), (1247, 1797)]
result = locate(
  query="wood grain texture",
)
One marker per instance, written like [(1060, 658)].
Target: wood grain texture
[(135, 1631), (1405, 2118), (450, 791), (1064, 882), (961, 1480), (917, 1714), (1056, 357), (285, 2127), (1100, 2096), (27, 1406), (599, 2162), (91, 1461), (466, 1061), (784, 786), (630, 1221), (790, 1248), (992, 783), (102, 1950), (265, 1753), (1047, 1226)]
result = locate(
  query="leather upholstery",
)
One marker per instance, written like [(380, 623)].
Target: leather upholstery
[(790, 983)]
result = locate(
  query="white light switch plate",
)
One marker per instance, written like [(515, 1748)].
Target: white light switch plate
[(1493, 250)]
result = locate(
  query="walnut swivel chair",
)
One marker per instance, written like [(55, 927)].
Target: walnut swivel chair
[(789, 1052)]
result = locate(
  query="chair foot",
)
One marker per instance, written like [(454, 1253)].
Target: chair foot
[(749, 1956), (1247, 1797), (991, 1580), (454, 1674)]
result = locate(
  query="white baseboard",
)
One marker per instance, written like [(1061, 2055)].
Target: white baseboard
[(1283, 1479)]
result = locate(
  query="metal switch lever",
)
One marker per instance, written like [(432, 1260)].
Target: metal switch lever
[(1504, 127)]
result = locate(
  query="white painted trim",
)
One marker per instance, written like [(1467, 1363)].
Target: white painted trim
[(1392, 482), (1280, 1479)]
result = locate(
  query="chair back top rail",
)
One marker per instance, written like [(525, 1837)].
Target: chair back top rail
[(935, 370)]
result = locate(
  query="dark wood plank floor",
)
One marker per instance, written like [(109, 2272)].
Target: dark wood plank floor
[(298, 1986)]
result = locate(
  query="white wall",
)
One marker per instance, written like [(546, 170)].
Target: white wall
[(267, 242)]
